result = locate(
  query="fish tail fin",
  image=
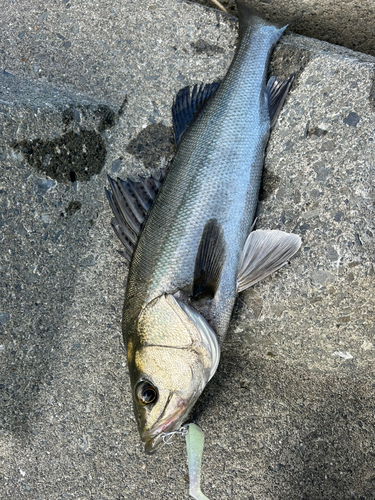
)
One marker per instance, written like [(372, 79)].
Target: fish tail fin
[(249, 17)]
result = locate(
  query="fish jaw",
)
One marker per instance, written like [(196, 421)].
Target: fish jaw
[(153, 438)]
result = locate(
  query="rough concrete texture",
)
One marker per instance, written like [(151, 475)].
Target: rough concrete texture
[(290, 412), (349, 23)]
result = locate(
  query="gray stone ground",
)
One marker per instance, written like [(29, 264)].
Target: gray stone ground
[(349, 23), (86, 90)]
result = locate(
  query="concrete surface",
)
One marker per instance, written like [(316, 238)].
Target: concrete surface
[(87, 90), (349, 23)]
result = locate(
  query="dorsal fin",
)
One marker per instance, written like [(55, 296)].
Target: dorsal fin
[(209, 261), (130, 202), (187, 103)]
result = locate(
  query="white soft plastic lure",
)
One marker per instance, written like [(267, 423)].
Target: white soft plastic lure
[(194, 446)]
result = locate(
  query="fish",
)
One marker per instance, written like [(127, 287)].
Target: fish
[(188, 233)]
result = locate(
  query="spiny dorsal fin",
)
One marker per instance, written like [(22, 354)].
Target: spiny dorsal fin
[(209, 261), (130, 202), (264, 252), (187, 103), (277, 90)]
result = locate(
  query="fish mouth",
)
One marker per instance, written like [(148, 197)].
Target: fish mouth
[(154, 438)]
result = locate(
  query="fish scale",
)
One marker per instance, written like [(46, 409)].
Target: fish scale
[(216, 174)]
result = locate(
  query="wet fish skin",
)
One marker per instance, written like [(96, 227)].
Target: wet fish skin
[(173, 341), (216, 174)]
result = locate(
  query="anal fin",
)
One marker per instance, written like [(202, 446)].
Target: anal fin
[(264, 252), (209, 261)]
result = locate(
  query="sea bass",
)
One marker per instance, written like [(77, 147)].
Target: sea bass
[(188, 233)]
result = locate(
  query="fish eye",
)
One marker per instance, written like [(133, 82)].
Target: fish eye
[(146, 393)]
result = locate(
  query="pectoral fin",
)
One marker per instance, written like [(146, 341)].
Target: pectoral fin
[(209, 261), (264, 252), (277, 90)]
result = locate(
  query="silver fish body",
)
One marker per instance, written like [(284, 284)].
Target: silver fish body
[(173, 341), (216, 174)]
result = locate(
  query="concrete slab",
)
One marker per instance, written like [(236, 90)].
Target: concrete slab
[(349, 23), (290, 412)]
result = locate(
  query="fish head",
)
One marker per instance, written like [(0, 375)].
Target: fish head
[(174, 355)]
